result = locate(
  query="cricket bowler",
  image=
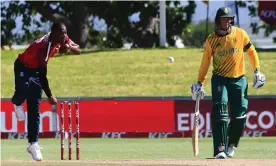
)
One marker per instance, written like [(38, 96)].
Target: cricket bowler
[(30, 71), (226, 48)]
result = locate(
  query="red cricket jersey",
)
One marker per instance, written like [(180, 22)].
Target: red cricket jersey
[(39, 52)]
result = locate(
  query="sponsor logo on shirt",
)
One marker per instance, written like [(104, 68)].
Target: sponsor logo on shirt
[(229, 51)]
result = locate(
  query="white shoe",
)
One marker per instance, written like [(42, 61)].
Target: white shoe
[(19, 111), (35, 150), (230, 152), (221, 155)]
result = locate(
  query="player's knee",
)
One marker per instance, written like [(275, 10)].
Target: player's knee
[(18, 98), (239, 119), (219, 112), (238, 112), (238, 122)]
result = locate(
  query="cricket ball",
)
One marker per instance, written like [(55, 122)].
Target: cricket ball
[(171, 59)]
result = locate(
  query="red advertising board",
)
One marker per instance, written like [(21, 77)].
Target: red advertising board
[(261, 117), (150, 118), (102, 116), (267, 11)]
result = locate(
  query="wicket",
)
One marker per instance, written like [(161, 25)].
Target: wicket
[(62, 129)]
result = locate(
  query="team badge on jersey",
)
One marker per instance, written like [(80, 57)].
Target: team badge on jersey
[(21, 74)]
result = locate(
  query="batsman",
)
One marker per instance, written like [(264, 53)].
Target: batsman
[(226, 46)]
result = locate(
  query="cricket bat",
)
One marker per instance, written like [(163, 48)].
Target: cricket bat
[(195, 128)]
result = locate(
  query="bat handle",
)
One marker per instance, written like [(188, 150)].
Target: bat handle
[(197, 104)]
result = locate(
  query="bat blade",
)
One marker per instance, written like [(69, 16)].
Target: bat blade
[(195, 137), (195, 130)]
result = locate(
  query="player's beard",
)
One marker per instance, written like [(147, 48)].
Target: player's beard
[(223, 30), (226, 27), (62, 40)]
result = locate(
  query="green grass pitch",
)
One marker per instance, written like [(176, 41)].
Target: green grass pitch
[(138, 72)]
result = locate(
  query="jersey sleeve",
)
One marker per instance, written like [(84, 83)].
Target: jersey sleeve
[(205, 62), (44, 81), (71, 43), (246, 39), (251, 51)]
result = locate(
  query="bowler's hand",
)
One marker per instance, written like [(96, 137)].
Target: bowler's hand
[(64, 48), (52, 100)]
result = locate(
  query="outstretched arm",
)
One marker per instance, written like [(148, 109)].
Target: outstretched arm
[(253, 56), (69, 45), (45, 85), (44, 81), (197, 88), (252, 53), (259, 78), (205, 63), (74, 48)]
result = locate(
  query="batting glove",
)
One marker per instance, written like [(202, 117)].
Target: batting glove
[(197, 91), (259, 80)]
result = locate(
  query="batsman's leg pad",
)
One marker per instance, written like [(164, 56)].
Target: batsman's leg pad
[(219, 117), (236, 127)]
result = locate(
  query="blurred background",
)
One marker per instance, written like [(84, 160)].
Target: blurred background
[(133, 24)]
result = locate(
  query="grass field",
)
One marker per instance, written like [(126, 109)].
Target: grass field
[(113, 151), (134, 73), (130, 73)]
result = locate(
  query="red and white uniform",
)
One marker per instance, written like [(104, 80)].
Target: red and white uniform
[(39, 52)]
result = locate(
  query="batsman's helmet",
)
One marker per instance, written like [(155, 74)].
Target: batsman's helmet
[(224, 12)]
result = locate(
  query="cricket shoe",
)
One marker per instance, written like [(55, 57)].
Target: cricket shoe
[(230, 151), (221, 155), (19, 111), (35, 150)]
